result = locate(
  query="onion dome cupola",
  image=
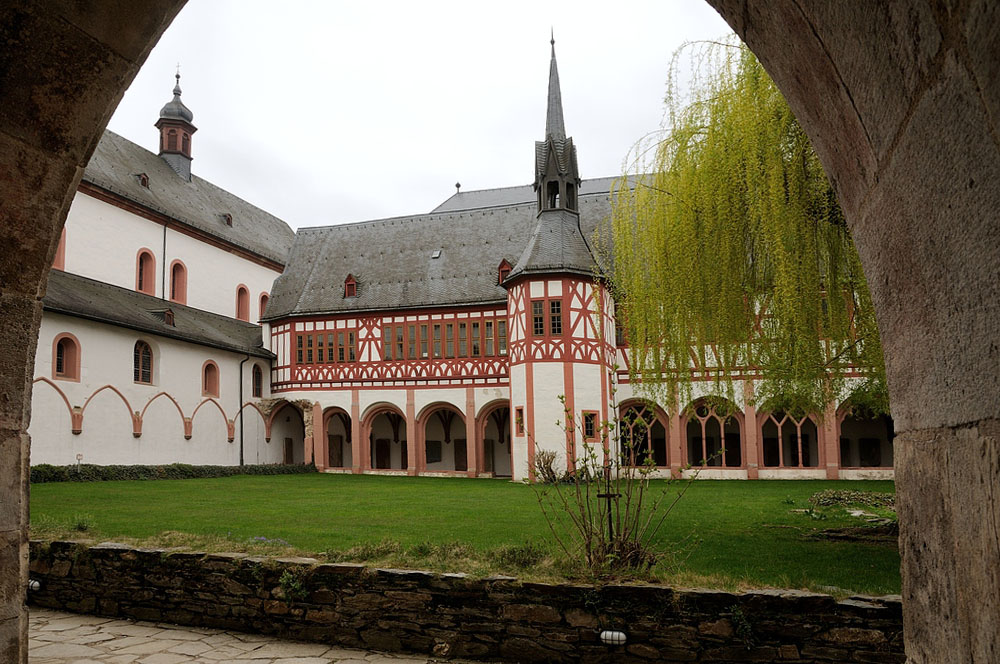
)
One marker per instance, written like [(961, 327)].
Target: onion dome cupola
[(557, 245), (557, 179), (176, 129)]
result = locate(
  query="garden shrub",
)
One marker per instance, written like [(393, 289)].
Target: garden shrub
[(845, 497), (43, 473)]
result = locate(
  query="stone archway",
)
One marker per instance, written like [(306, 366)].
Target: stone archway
[(901, 102), (896, 100), (63, 69)]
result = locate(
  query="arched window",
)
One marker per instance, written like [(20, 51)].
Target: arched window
[(264, 297), (243, 303), (145, 272), (713, 435), (788, 442), (178, 282), (66, 357), (643, 437), (258, 381), (210, 379), (172, 139), (186, 144), (142, 363)]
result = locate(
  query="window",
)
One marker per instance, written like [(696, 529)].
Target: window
[(412, 343), (387, 342), (172, 139), (555, 317), (186, 143), (143, 180), (589, 426), (66, 357), (257, 381), (350, 346), (320, 356), (145, 272), (210, 379), (502, 337), (519, 420), (142, 363), (450, 340), (340, 347), (350, 287), (437, 341), (503, 270), (423, 341), (264, 298), (298, 349), (227, 218), (476, 346), (243, 303), (538, 318), (309, 349), (178, 282), (489, 338)]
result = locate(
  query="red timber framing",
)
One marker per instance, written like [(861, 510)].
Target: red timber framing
[(554, 320), (432, 348)]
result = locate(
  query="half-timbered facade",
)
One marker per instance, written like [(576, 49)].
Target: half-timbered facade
[(461, 341)]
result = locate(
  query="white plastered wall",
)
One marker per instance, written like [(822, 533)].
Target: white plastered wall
[(103, 241), (106, 355)]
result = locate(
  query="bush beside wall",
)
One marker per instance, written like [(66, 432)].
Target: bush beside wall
[(450, 615), (175, 471)]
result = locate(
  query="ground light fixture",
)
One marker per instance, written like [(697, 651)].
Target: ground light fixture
[(611, 637)]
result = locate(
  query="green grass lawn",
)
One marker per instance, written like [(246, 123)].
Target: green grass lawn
[(730, 534)]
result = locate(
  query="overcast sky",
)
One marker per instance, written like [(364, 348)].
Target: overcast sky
[(329, 112)]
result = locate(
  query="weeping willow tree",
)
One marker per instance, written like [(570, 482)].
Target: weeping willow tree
[(731, 255)]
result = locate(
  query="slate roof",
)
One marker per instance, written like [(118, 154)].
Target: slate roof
[(116, 164), (557, 244), (392, 258), (73, 295), (504, 196)]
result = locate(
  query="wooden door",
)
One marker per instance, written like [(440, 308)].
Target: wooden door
[(382, 453), (289, 451), (461, 455)]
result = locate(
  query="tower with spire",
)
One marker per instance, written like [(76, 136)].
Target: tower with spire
[(561, 328), (176, 129)]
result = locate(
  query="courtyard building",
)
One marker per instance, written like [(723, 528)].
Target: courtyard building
[(183, 324)]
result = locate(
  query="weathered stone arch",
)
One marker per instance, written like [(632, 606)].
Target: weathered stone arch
[(901, 102)]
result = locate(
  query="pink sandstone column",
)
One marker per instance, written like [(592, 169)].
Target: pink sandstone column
[(414, 447), (750, 447), (470, 432), (357, 445), (320, 441)]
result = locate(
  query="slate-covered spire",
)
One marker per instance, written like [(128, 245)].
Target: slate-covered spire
[(556, 246), (556, 178), (176, 129), (554, 124)]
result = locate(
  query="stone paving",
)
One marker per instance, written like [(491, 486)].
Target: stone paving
[(68, 638)]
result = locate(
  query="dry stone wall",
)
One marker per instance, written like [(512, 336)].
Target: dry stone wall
[(451, 615)]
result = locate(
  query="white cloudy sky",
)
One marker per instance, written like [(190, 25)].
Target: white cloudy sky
[(329, 112)]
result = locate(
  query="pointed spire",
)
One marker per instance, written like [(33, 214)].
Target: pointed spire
[(554, 125), (177, 85)]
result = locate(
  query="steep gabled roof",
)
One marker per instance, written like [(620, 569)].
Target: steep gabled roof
[(117, 163), (504, 196), (73, 295), (392, 259)]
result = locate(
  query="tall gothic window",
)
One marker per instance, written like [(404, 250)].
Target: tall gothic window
[(142, 363)]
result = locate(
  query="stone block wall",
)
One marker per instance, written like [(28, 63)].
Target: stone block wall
[(451, 615)]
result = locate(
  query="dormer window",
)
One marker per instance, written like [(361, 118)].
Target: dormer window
[(350, 286), (228, 218), (168, 317), (503, 270), (143, 180)]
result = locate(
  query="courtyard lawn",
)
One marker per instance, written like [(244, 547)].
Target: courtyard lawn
[(733, 534)]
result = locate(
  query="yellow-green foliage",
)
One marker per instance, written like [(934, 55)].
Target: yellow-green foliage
[(729, 217)]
